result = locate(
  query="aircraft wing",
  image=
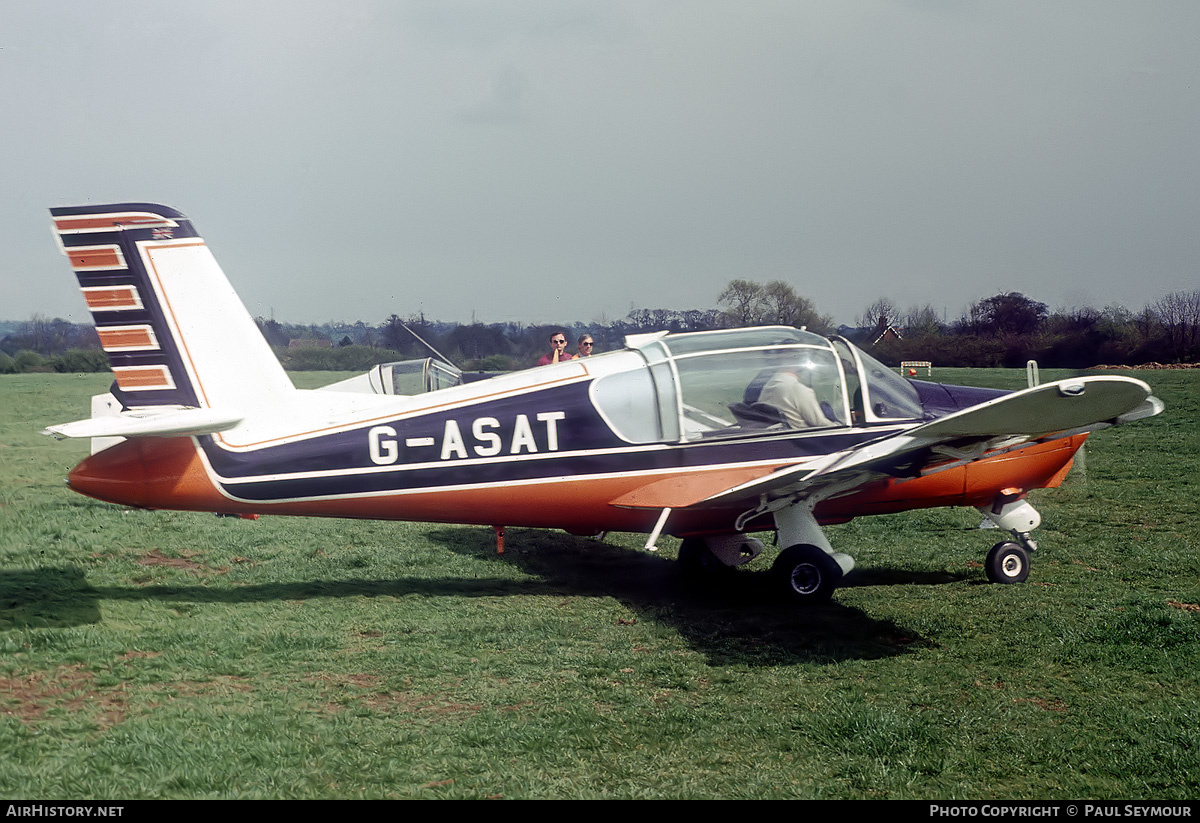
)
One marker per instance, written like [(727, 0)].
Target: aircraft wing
[(1042, 413)]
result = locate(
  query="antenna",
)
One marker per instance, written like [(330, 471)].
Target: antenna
[(426, 344)]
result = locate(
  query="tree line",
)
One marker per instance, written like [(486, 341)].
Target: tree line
[(1005, 329), (1009, 329)]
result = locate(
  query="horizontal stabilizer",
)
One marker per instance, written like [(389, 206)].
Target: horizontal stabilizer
[(179, 423)]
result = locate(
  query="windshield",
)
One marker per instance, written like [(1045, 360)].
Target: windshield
[(882, 394)]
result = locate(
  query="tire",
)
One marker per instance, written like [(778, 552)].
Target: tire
[(1007, 562), (806, 574), (698, 563)]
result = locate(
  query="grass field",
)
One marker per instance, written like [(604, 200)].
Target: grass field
[(177, 655)]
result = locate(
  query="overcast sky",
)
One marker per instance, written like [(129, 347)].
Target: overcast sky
[(558, 161)]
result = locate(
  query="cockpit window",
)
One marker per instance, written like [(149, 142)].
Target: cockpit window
[(419, 376), (442, 375), (787, 386), (630, 403), (404, 377)]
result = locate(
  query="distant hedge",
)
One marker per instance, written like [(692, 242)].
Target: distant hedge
[(72, 361)]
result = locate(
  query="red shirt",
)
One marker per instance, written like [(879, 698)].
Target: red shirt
[(547, 359)]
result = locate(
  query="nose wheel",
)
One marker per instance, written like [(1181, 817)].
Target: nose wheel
[(1007, 562)]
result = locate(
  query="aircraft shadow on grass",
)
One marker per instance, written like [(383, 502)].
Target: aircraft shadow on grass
[(61, 597), (739, 620)]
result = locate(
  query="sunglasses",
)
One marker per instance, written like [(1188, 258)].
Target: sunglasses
[(586, 343), (558, 341)]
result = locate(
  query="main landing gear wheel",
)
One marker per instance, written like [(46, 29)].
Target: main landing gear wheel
[(698, 563), (1007, 562), (807, 574)]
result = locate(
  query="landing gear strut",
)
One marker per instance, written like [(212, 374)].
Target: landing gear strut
[(808, 570)]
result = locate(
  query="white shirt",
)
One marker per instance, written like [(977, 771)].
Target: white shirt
[(796, 401)]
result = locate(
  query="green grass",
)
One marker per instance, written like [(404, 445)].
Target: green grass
[(180, 655)]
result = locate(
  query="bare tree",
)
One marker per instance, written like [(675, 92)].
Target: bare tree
[(742, 301), (922, 321), (879, 315), (782, 306), (1179, 315), (746, 303)]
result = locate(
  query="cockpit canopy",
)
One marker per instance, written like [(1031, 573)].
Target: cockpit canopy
[(742, 382)]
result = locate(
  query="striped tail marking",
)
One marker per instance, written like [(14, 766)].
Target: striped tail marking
[(175, 332)]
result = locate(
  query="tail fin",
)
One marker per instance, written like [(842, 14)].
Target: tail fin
[(175, 332)]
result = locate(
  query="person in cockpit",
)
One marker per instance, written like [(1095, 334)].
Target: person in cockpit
[(787, 390)]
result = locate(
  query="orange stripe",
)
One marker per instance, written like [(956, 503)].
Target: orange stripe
[(112, 299), (101, 222), (84, 258), (143, 377), (128, 337)]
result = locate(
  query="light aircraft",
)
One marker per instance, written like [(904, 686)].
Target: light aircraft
[(707, 436)]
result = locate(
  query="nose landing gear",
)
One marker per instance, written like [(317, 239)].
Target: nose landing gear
[(1008, 561)]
